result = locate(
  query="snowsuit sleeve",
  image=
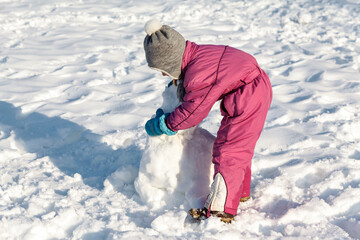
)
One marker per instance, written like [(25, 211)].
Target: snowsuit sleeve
[(201, 92), (193, 110)]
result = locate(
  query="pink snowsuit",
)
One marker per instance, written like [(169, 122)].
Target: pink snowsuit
[(212, 73)]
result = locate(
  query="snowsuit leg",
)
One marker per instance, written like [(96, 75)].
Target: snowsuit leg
[(246, 182), (244, 112)]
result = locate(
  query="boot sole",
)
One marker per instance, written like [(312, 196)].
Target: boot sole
[(244, 199), (194, 213)]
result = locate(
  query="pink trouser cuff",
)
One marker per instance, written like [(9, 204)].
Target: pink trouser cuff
[(231, 211)]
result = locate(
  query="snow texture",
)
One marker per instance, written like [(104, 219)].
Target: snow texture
[(176, 170), (76, 92)]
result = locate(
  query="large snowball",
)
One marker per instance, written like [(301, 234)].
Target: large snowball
[(176, 170)]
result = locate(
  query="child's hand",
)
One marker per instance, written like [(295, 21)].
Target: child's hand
[(157, 125), (152, 126)]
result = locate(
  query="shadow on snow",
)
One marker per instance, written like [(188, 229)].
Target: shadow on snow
[(71, 147)]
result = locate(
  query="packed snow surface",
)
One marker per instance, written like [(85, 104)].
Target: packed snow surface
[(76, 92)]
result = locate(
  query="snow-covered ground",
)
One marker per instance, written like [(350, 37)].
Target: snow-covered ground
[(75, 93)]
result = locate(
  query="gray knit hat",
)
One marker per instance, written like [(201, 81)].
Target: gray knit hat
[(164, 48)]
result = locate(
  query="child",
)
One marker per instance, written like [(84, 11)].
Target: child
[(206, 74)]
